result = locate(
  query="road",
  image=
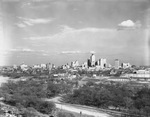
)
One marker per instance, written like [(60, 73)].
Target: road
[(85, 110)]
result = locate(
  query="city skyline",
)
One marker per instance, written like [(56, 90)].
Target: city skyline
[(63, 31), (91, 62)]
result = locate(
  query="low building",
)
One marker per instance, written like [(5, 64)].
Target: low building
[(125, 65), (24, 67), (118, 79), (138, 74)]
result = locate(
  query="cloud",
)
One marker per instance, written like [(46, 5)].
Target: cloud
[(36, 20), (66, 31), (30, 22), (21, 25), (26, 4), (77, 52), (45, 54), (37, 38), (27, 50), (70, 52), (21, 49), (129, 24)]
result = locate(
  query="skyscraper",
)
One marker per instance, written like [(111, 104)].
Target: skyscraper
[(102, 63), (88, 63), (92, 59), (116, 64)]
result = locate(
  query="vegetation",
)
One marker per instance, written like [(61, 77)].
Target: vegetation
[(122, 97), (64, 114), (27, 94)]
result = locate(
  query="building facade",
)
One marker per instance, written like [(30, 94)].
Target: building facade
[(92, 60), (116, 63)]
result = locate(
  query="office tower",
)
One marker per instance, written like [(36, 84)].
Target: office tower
[(97, 63), (49, 67), (88, 63), (92, 60), (102, 63), (116, 64)]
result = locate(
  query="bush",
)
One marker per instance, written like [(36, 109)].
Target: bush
[(45, 107)]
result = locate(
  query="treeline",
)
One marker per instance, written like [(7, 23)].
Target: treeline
[(121, 97), (30, 93)]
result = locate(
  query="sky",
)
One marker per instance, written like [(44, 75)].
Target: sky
[(61, 31)]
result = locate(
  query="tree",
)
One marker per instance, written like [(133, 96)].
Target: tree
[(46, 107)]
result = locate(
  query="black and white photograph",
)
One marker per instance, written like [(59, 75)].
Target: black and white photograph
[(74, 58)]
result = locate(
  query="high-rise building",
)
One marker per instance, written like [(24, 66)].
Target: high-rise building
[(88, 63), (92, 60), (102, 63), (116, 64), (49, 67)]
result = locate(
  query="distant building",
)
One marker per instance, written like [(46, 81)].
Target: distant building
[(96, 63), (92, 60), (43, 66), (138, 74), (88, 63), (116, 64), (84, 65), (120, 79), (24, 67), (15, 66), (53, 66), (125, 65), (108, 65), (66, 66), (74, 64), (49, 67), (102, 63), (36, 66)]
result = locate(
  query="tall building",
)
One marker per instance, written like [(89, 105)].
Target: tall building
[(92, 60), (97, 63), (49, 67), (88, 63), (102, 63), (116, 64)]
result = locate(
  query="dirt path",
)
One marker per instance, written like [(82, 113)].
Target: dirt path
[(78, 108)]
